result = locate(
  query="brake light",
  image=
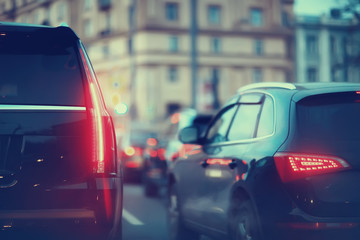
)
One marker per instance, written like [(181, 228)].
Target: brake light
[(103, 139), (151, 141), (153, 153), (161, 153), (293, 166)]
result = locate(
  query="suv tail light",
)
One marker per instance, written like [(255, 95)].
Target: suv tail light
[(293, 166), (103, 139)]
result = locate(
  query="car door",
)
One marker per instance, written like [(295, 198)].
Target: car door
[(225, 159), (191, 171)]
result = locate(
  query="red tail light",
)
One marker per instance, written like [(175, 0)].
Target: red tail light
[(161, 153), (103, 139), (292, 166)]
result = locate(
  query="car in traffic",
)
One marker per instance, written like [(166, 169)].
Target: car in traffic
[(278, 161), (58, 161), (131, 154), (155, 167), (179, 120)]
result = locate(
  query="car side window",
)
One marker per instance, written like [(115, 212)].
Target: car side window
[(219, 128), (245, 121), (266, 122)]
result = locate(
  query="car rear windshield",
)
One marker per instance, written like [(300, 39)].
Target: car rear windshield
[(329, 117), (40, 67)]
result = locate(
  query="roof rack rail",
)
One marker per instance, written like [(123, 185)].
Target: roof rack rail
[(288, 86)]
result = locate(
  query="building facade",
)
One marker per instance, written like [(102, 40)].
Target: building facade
[(141, 49), (327, 49)]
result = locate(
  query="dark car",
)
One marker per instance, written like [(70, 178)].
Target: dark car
[(132, 154), (185, 118), (279, 161), (58, 161), (155, 167)]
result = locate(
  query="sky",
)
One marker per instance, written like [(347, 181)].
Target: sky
[(316, 7)]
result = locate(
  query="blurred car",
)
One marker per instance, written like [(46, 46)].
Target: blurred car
[(188, 117), (58, 161), (131, 154), (279, 161), (155, 167)]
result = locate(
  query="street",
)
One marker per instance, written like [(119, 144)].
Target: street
[(143, 218)]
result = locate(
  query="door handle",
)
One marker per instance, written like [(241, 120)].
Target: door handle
[(204, 163), (233, 164)]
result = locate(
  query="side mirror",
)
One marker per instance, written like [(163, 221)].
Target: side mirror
[(189, 135)]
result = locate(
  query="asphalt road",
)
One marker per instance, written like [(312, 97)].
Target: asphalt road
[(144, 218)]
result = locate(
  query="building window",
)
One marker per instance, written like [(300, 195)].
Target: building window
[(173, 74), (61, 12), (172, 11), (259, 47), (108, 21), (256, 17), (106, 51), (257, 75), (88, 4), (214, 14), (311, 45), (88, 27), (285, 19), (174, 43), (215, 45), (311, 75)]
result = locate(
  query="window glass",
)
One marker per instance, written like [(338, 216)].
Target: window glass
[(256, 17), (172, 11), (245, 121), (173, 74), (311, 45), (311, 74), (49, 69), (328, 118), (214, 14), (258, 47), (174, 43), (215, 45), (257, 75), (218, 130), (266, 123)]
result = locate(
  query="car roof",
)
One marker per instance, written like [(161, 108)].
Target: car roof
[(300, 90), (63, 30)]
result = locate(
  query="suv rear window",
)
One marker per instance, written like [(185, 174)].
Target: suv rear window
[(329, 117), (40, 67)]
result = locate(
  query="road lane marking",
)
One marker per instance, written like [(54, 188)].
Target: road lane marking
[(131, 218)]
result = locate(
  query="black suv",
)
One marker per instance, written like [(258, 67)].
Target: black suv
[(279, 161), (58, 161)]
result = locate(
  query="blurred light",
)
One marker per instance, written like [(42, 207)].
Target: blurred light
[(220, 161), (161, 153), (153, 153), (357, 92), (40, 160), (129, 151), (132, 164), (121, 108), (175, 118), (151, 141)]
